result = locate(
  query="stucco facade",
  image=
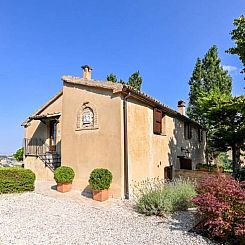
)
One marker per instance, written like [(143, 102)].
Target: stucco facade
[(109, 125)]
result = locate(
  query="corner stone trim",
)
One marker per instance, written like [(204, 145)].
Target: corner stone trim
[(82, 126)]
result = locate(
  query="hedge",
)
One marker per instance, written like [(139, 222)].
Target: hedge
[(15, 180)]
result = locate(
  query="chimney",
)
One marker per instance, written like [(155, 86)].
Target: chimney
[(181, 107), (87, 71)]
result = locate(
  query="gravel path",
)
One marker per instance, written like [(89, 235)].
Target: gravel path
[(31, 218)]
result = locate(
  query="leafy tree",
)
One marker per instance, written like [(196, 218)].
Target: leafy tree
[(135, 80), (226, 120), (18, 155), (112, 78), (238, 35)]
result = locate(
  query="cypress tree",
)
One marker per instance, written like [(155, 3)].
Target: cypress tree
[(207, 75), (214, 76), (196, 88)]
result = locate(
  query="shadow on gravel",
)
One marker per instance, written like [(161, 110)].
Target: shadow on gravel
[(53, 187), (87, 192), (183, 221)]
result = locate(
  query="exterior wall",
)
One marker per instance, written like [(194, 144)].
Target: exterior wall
[(147, 154), (150, 153), (85, 150), (37, 129), (196, 149)]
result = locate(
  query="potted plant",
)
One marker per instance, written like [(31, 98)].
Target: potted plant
[(100, 181), (64, 176)]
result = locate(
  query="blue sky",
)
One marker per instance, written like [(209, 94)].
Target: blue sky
[(42, 40)]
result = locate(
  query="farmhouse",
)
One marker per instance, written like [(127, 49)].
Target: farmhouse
[(99, 124)]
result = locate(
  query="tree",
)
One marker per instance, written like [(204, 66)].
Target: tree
[(238, 35), (196, 88), (214, 76), (18, 155), (226, 119), (207, 75), (112, 78), (135, 80)]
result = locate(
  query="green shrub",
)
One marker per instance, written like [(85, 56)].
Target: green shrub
[(14, 180), (100, 179), (209, 167), (154, 197), (64, 175)]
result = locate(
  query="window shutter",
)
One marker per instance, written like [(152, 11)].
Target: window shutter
[(157, 121), (186, 130), (189, 131), (200, 135)]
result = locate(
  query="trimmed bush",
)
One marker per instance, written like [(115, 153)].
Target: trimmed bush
[(209, 167), (100, 179), (64, 175), (15, 180), (221, 204), (156, 197)]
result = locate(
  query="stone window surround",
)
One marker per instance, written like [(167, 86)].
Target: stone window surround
[(79, 125)]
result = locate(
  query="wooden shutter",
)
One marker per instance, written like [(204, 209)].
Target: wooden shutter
[(189, 131), (200, 135), (157, 121), (186, 130)]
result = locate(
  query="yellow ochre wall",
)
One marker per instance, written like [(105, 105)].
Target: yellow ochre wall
[(149, 153), (85, 150)]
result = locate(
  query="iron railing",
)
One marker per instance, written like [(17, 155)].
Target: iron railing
[(35, 147)]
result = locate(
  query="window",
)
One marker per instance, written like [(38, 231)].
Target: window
[(200, 135), (87, 117), (187, 131), (158, 121)]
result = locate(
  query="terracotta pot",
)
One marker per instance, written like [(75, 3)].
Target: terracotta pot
[(64, 187), (100, 195)]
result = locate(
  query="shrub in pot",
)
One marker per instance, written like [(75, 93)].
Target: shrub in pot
[(64, 176), (100, 180)]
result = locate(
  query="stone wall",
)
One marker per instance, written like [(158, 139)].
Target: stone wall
[(195, 174)]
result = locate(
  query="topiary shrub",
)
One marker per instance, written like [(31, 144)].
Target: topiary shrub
[(221, 204), (64, 175), (100, 179), (15, 180)]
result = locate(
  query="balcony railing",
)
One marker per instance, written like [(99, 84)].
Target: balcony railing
[(35, 147)]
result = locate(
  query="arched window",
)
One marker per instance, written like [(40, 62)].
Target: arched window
[(87, 117)]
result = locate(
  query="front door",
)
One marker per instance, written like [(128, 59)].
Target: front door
[(52, 135)]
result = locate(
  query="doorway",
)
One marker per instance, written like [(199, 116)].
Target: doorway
[(52, 135)]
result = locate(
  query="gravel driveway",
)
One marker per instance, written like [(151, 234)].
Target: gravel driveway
[(32, 218)]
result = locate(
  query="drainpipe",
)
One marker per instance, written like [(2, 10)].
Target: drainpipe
[(125, 133)]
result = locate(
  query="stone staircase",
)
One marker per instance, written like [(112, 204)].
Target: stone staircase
[(51, 159)]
